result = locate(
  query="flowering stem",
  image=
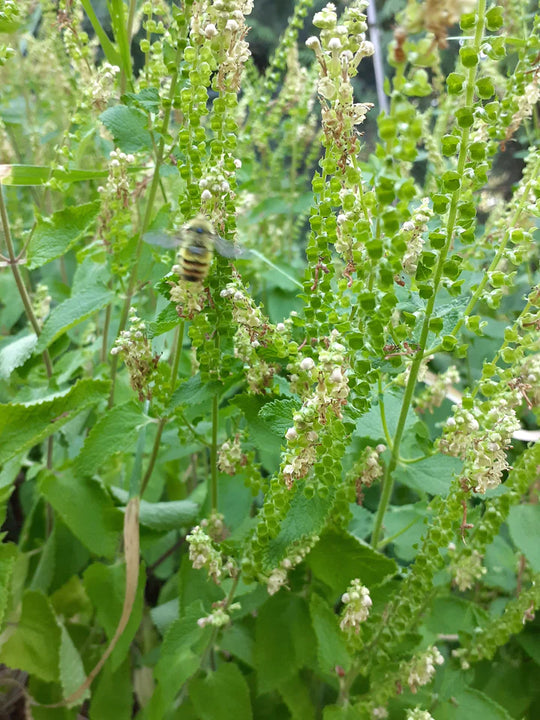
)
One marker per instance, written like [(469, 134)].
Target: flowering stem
[(512, 223), (388, 481)]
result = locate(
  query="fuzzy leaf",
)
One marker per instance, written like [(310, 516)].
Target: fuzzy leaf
[(331, 646), (115, 431), (16, 353), (278, 414), (306, 516), (194, 392), (128, 127), (28, 175), (163, 516), (35, 644), (432, 475), (112, 697), (71, 312), (356, 560), (56, 234), (25, 425), (524, 525), (221, 695), (72, 673), (86, 509), (8, 555), (165, 321), (284, 640), (106, 588)]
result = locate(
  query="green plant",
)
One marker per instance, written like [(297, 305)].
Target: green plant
[(251, 497)]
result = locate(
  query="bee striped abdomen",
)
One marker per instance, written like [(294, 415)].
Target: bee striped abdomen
[(194, 262)]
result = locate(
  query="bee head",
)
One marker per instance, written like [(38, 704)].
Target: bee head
[(199, 227)]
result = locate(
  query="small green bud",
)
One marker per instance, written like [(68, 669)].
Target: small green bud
[(449, 144), (451, 180), (494, 18), (190, 54), (440, 204), (478, 150), (485, 88), (464, 117), (425, 291), (469, 57), (467, 21), (455, 82), (448, 342)]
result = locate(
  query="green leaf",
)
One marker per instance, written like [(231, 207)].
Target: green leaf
[(25, 175), (470, 703), (118, 22), (306, 517), (16, 353), (115, 431), (194, 392), (239, 642), (340, 712), (260, 433), (355, 561), (44, 572), (106, 587), (35, 644), (524, 525), (164, 615), (278, 414), (128, 127), (331, 645), (449, 615), (55, 235), (361, 524), (72, 674), (86, 509), (72, 312), (177, 662), (404, 525), (432, 475), (163, 516), (530, 642), (110, 52), (284, 640), (295, 693), (221, 695), (147, 99), (25, 425), (112, 697), (8, 555), (165, 321), (370, 424), (500, 563)]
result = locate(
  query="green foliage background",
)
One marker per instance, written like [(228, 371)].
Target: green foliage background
[(308, 489)]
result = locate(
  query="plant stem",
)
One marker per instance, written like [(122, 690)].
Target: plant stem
[(213, 454), (147, 216), (14, 264), (153, 456), (177, 352)]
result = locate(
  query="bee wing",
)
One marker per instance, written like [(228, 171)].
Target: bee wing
[(162, 239), (228, 250)]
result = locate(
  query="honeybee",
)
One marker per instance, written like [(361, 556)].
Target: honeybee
[(196, 242)]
